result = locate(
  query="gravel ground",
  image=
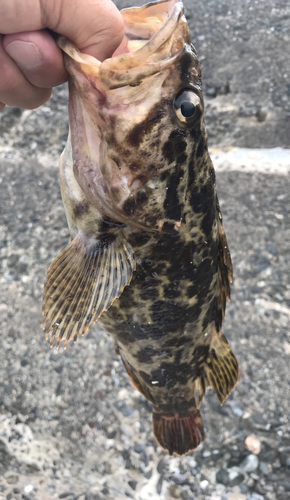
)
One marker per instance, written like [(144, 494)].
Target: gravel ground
[(71, 426)]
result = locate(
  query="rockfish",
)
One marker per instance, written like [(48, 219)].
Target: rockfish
[(148, 252)]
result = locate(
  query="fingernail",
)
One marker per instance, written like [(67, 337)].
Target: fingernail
[(25, 54)]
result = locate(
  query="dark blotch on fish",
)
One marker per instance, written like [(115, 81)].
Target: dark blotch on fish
[(139, 239), (134, 167), (129, 206), (202, 278), (141, 197), (137, 134), (149, 293), (171, 291), (106, 225), (169, 316), (201, 148), (201, 199), (146, 354), (171, 203), (185, 64), (175, 146), (127, 299), (195, 132), (208, 221), (81, 209)]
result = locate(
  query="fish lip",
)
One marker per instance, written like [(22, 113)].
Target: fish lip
[(130, 68)]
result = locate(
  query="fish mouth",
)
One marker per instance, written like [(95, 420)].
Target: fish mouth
[(155, 36)]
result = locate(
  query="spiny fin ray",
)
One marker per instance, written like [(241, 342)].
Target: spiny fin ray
[(82, 282), (225, 262), (178, 432), (222, 368)]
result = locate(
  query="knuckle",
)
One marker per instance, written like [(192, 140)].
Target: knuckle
[(37, 98), (16, 89)]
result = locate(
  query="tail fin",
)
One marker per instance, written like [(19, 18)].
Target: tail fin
[(178, 432), (222, 367)]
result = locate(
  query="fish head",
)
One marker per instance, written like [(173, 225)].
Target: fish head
[(134, 115)]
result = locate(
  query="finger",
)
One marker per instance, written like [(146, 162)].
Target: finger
[(104, 30), (15, 90), (95, 26), (38, 57), (2, 106)]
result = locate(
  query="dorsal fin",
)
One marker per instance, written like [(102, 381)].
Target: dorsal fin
[(225, 262), (82, 282)]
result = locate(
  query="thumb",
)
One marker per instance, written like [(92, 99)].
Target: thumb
[(96, 27), (30, 61)]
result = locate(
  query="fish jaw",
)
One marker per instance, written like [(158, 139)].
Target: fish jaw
[(154, 35), (110, 100)]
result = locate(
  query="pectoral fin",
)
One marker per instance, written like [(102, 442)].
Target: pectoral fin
[(82, 282)]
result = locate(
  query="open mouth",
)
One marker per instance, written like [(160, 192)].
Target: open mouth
[(143, 23), (151, 44)]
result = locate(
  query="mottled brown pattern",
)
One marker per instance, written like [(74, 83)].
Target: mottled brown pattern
[(153, 213)]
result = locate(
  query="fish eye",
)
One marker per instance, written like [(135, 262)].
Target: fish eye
[(187, 107)]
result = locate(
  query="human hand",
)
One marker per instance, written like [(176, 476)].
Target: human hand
[(30, 61)]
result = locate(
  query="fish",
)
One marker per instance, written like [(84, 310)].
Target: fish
[(148, 255)]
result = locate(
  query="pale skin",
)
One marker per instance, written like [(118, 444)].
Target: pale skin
[(31, 63)]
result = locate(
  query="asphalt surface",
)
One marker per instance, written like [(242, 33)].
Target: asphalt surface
[(71, 426)]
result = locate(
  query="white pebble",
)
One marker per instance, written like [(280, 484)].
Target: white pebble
[(28, 488), (204, 484)]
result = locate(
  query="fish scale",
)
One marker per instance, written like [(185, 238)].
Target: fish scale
[(148, 255)]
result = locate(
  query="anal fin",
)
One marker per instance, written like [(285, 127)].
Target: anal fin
[(222, 368), (178, 432), (82, 282)]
